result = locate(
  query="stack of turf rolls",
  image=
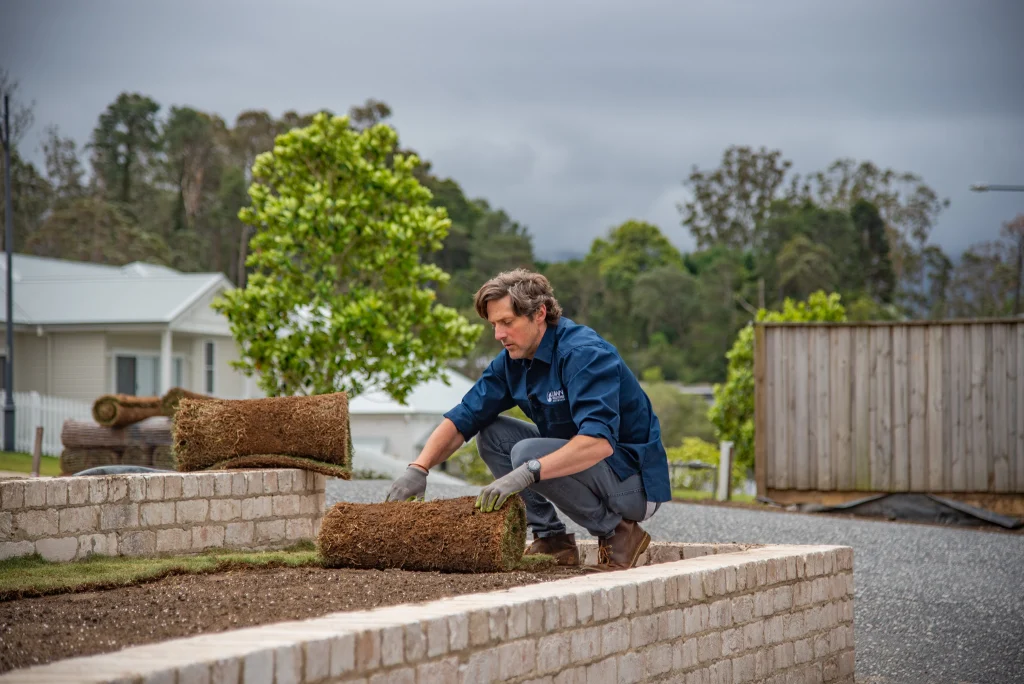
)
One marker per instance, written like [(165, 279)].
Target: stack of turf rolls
[(119, 410), (447, 535), (144, 443), (308, 432)]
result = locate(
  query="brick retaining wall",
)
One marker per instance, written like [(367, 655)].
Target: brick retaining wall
[(129, 515), (768, 614)]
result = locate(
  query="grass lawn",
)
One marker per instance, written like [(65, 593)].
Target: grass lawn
[(20, 462), (33, 576), (694, 495)]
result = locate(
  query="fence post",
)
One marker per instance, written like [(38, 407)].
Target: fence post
[(724, 471), (37, 451)]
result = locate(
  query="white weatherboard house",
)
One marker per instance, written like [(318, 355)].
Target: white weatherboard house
[(82, 330)]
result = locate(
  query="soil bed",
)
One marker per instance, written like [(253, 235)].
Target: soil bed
[(41, 630)]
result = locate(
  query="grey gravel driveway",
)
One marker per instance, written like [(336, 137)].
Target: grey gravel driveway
[(934, 605)]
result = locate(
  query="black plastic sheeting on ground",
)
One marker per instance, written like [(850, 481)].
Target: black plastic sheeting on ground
[(121, 470), (927, 508)]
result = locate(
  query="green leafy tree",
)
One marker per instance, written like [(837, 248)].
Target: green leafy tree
[(338, 298), (124, 143), (732, 414)]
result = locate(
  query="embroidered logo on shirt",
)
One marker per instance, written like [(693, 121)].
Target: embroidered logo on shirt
[(556, 396)]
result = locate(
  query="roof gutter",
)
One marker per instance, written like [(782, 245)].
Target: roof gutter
[(218, 280)]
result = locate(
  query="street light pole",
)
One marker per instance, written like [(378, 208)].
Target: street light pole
[(9, 248), (986, 187)]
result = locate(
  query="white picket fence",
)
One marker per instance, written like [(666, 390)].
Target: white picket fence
[(32, 409)]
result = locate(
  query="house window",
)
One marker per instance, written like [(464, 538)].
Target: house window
[(139, 374), (208, 366)]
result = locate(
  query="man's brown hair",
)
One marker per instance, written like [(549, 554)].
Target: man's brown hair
[(528, 291)]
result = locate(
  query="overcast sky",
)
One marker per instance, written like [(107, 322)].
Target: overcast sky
[(574, 116)]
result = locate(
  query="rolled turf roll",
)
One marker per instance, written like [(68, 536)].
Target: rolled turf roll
[(173, 397), (76, 434), (447, 535), (163, 457), (309, 432), (75, 460), (118, 410)]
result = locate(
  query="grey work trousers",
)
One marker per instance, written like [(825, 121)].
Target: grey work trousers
[(594, 498)]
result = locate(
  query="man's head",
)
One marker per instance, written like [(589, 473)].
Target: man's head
[(520, 305)]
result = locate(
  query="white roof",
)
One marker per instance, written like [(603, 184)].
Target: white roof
[(433, 398), (60, 292)]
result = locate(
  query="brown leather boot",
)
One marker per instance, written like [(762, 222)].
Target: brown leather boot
[(561, 546), (622, 549)]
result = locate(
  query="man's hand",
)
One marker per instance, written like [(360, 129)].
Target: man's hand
[(495, 494), (410, 486)]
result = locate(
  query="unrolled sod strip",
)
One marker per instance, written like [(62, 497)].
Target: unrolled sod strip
[(310, 432), (447, 535)]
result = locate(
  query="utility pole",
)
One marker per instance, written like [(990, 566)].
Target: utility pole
[(9, 248)]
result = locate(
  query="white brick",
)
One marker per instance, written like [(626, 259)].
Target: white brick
[(436, 636), (684, 654), (784, 655), (12, 494), (721, 672), (644, 630), (614, 597), (288, 664), (35, 493), (173, 485), (343, 654), (720, 614), (585, 644), (458, 633), (732, 641), (670, 624), (695, 618), (78, 491), (578, 675), (567, 610), (497, 623), (6, 526), (803, 651), (517, 620), (553, 653), (317, 660), (630, 667), (793, 626), (479, 628), (415, 642), (173, 540), (198, 673), (534, 617), (119, 516), (16, 549), (79, 519), (225, 509), (284, 481), (658, 592), (392, 646), (657, 659), (309, 505), (742, 609), (136, 488), (154, 487), (773, 630), (207, 536), (190, 486), (118, 489), (629, 599), (482, 666), (644, 596), (438, 672), (258, 668), (753, 635), (516, 659), (157, 514), (192, 511), (270, 482), (299, 528), (764, 663), (239, 534), (97, 544), (615, 637), (56, 493), (36, 524), (584, 607), (256, 508), (709, 647), (138, 543), (743, 669)]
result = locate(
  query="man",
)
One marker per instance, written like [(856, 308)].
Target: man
[(594, 450)]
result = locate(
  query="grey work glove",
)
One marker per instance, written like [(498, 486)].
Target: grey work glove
[(496, 494), (411, 485)]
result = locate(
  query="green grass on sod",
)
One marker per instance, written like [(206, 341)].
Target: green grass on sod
[(21, 462), (32, 576)]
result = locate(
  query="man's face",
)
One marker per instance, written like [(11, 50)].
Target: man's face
[(520, 335)]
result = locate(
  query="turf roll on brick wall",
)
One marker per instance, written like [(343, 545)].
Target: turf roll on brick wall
[(118, 410), (447, 535), (308, 432), (173, 397)]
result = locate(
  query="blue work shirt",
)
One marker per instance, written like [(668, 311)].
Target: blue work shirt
[(576, 384)]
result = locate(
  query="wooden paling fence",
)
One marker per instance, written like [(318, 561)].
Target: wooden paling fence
[(934, 406)]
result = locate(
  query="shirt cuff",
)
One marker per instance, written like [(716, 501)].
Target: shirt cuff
[(593, 428), (464, 421)]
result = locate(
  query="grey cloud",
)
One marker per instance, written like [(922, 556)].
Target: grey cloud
[(576, 116)]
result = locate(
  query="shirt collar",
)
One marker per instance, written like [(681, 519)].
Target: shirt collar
[(547, 344)]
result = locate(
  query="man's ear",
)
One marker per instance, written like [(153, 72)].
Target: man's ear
[(541, 314)]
